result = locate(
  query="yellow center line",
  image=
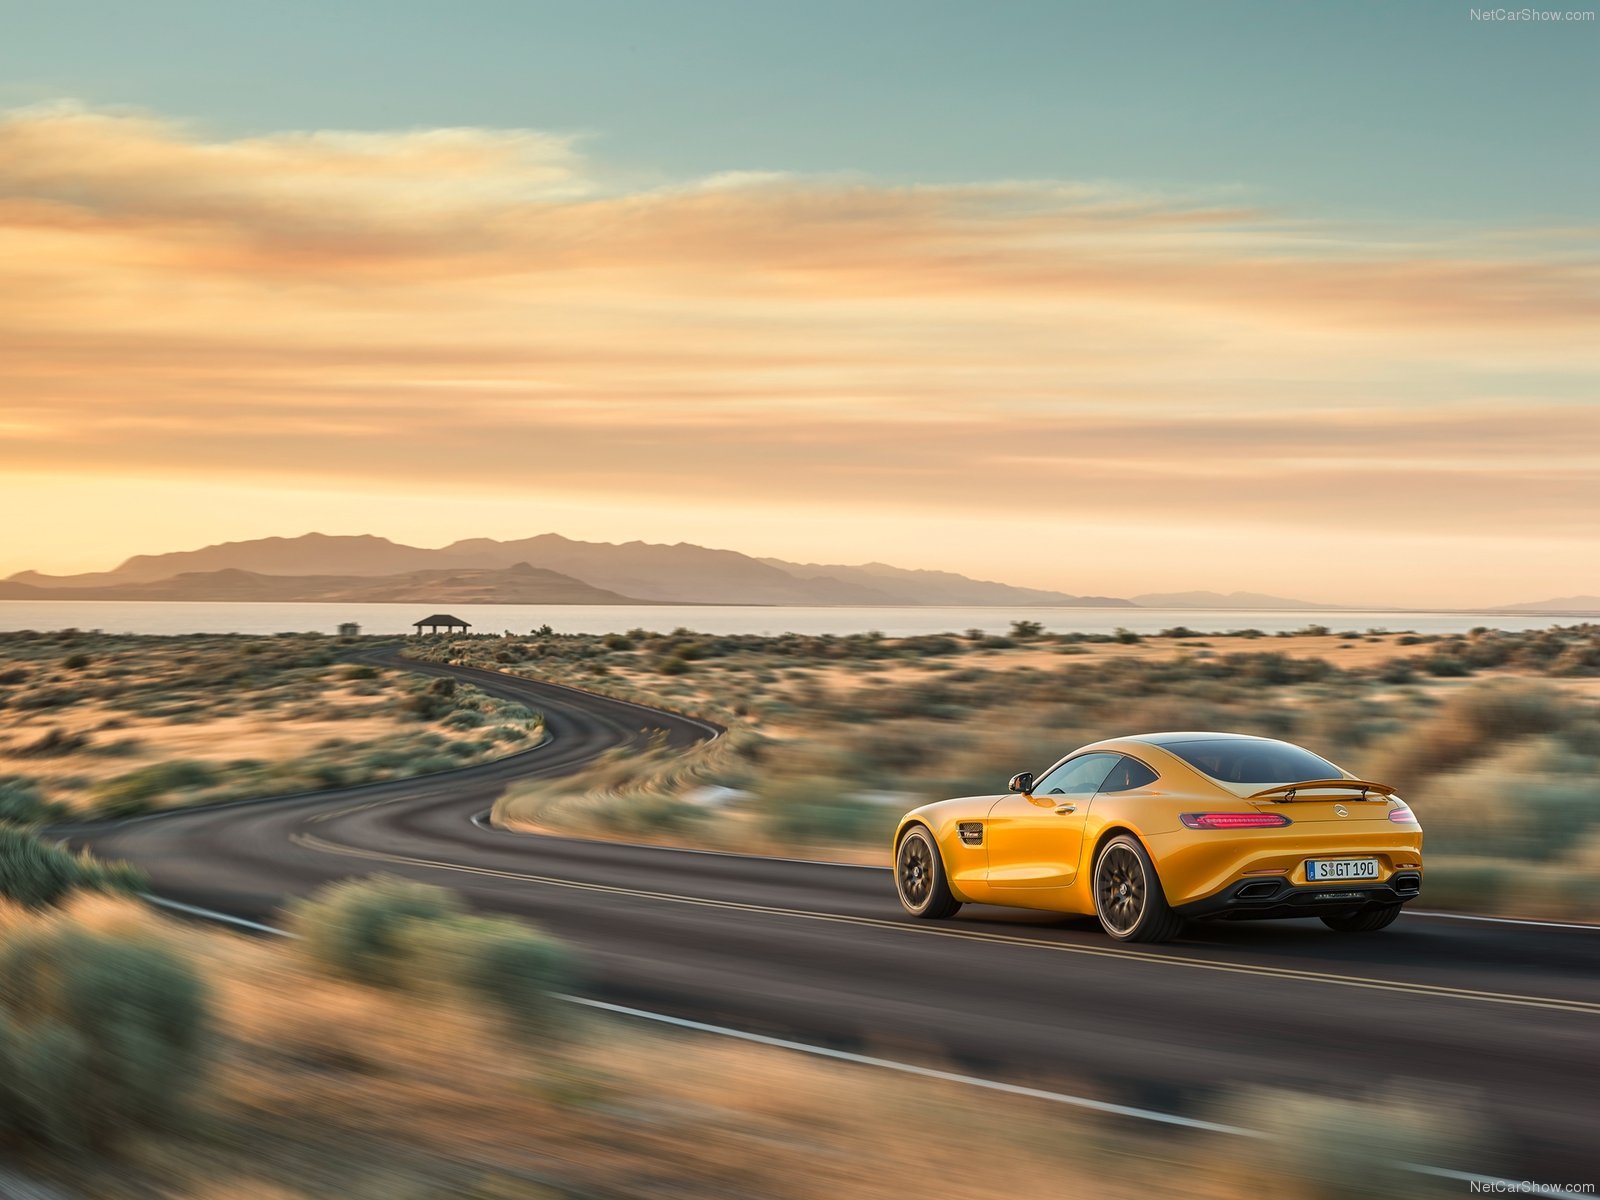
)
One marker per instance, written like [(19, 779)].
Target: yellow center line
[(311, 842)]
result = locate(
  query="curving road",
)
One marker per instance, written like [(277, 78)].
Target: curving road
[(1508, 1014)]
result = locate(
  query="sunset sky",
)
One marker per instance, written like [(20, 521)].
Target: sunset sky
[(1300, 298)]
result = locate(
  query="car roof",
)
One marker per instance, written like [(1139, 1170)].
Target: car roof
[(1178, 738), (1132, 743)]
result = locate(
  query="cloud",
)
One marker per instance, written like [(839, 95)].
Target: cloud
[(465, 306), (127, 164)]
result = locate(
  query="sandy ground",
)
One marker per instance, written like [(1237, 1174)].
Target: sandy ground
[(1344, 653), (268, 735)]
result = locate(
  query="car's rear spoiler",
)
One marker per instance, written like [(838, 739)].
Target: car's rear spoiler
[(1286, 791)]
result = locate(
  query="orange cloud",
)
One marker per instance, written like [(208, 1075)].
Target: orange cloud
[(440, 307)]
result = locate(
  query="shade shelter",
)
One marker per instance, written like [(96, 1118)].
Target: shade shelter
[(440, 623)]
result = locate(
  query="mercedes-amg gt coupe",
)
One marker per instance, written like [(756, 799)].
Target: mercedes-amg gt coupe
[(1147, 832)]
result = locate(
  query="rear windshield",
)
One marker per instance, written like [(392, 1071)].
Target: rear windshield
[(1254, 762)]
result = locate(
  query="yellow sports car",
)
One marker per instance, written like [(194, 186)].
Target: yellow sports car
[(1147, 832)]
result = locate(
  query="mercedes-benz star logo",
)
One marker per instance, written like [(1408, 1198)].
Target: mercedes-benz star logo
[(1340, 810)]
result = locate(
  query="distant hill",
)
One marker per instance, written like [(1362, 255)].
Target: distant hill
[(309, 554), (940, 587), (323, 567), (680, 573), (1563, 604), (1222, 600), (518, 584)]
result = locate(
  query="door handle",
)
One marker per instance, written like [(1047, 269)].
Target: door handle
[(1063, 809)]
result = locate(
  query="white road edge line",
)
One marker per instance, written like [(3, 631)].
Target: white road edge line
[(1444, 916), (1520, 1187), (211, 914)]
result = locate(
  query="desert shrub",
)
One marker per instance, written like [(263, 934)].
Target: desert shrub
[(511, 966), (1397, 671), (1464, 884), (143, 789), (518, 969), (359, 929), (392, 932), (616, 641), (43, 1069), (430, 764), (22, 803), (1025, 630), (1329, 1147), (76, 662), (820, 812), (53, 743), (97, 1035), (1498, 808), (38, 874), (1470, 725), (49, 698), (361, 671), (433, 701), (672, 666), (1446, 666), (647, 815)]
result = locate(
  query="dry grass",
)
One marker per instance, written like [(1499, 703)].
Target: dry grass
[(326, 1088), (94, 720)]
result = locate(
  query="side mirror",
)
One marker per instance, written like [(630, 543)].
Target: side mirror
[(1022, 782)]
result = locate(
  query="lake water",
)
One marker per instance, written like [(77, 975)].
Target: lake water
[(148, 616)]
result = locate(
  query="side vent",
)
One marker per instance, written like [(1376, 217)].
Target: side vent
[(971, 832)]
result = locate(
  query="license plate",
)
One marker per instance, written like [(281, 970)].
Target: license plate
[(1325, 870)]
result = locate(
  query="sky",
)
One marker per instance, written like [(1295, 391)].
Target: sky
[(1296, 298)]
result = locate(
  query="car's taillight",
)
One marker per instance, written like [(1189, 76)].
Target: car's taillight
[(1401, 814), (1233, 820)]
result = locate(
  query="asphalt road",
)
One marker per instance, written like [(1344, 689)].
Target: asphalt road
[(1505, 1017)]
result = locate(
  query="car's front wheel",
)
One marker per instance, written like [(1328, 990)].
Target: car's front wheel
[(1127, 894), (1368, 920), (919, 877)]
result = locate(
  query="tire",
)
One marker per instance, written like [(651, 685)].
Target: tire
[(1368, 920), (919, 877), (1127, 894)]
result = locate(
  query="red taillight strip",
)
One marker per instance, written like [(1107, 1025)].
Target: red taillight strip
[(1401, 814), (1234, 820)]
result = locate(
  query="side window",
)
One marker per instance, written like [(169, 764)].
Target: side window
[(1079, 776), (1129, 773)]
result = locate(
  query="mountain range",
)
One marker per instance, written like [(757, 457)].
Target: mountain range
[(547, 569), (551, 569), (1563, 604)]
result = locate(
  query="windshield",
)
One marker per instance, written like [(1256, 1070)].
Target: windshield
[(1254, 762)]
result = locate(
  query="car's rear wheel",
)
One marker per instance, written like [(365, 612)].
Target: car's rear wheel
[(1367, 920), (919, 877), (1127, 894)]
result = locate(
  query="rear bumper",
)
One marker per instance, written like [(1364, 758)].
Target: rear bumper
[(1265, 899)]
